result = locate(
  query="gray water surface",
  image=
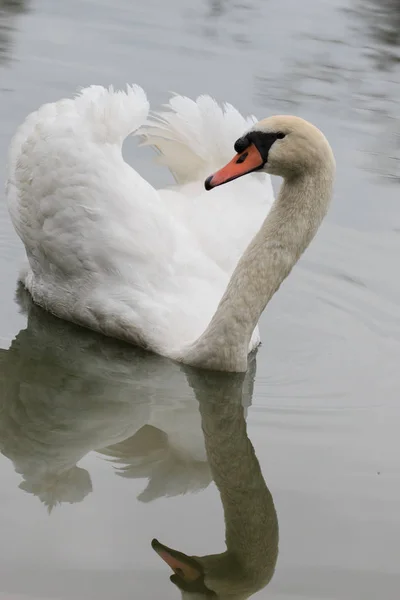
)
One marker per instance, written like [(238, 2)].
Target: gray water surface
[(101, 445)]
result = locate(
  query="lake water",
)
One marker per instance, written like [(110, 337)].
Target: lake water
[(102, 446)]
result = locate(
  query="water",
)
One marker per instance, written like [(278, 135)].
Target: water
[(322, 412)]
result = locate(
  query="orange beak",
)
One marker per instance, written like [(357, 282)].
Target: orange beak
[(245, 162)]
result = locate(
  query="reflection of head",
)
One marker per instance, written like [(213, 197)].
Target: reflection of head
[(217, 576), (70, 486)]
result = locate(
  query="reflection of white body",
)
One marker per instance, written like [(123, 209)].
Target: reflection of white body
[(66, 391), (105, 248), (169, 451)]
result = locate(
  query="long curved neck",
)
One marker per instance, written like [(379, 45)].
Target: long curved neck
[(285, 234), (251, 524)]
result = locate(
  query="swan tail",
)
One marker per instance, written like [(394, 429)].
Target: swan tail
[(194, 137), (97, 113), (95, 116), (112, 115)]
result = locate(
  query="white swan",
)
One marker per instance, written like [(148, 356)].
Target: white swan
[(108, 251)]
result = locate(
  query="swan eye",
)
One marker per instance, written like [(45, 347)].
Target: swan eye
[(280, 135)]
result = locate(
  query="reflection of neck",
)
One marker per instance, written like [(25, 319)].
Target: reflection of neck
[(285, 234), (250, 517)]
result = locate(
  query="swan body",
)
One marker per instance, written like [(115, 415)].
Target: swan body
[(178, 271), (107, 250)]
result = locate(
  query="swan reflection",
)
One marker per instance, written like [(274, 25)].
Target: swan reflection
[(251, 525), (66, 391)]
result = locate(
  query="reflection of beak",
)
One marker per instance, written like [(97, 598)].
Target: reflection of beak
[(167, 554), (178, 561), (246, 162)]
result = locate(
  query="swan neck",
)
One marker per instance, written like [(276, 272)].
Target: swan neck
[(286, 232)]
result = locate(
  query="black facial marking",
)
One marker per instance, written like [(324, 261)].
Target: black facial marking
[(241, 144), (262, 141)]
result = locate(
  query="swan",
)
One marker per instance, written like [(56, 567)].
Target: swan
[(181, 272)]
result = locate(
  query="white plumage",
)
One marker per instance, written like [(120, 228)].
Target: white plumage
[(107, 250)]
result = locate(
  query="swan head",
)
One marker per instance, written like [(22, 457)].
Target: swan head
[(281, 145)]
